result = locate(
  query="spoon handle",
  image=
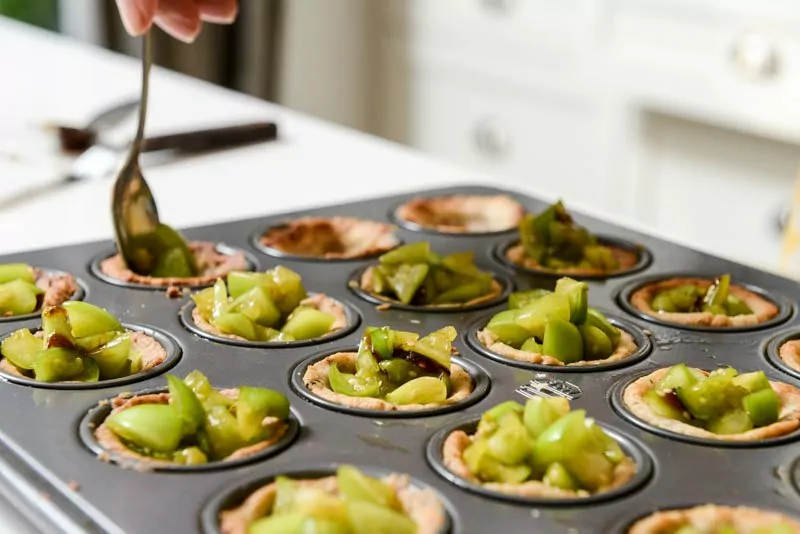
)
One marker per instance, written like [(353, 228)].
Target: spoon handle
[(147, 46)]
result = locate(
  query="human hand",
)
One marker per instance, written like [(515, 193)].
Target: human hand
[(182, 19)]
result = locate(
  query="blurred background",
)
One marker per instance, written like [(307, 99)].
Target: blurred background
[(681, 114)]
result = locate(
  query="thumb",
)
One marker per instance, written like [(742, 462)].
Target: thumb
[(137, 15)]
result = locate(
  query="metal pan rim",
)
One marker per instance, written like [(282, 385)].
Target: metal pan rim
[(618, 405), (351, 313), (223, 248), (772, 348), (170, 344), (641, 456), (643, 342), (479, 376), (623, 295)]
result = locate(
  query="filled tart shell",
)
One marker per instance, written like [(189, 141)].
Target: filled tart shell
[(113, 444), (625, 347), (211, 263), (789, 417), (627, 260), (319, 301), (366, 284), (421, 505), (463, 214), (315, 379), (153, 353), (453, 458), (708, 517), (331, 237), (763, 309)]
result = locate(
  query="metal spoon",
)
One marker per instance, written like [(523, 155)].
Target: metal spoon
[(133, 207)]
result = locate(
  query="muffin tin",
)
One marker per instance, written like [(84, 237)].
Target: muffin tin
[(57, 479)]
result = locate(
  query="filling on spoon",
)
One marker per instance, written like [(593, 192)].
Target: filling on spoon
[(716, 519), (272, 306), (350, 502), (194, 423), (552, 241), (414, 274), (721, 405), (168, 260), (79, 342), (331, 237), (463, 214), (392, 370), (25, 289), (703, 302), (556, 328), (540, 450)]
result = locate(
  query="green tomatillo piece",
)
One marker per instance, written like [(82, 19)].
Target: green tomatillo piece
[(89, 320), (423, 390), (308, 323), (186, 405), (352, 385), (563, 341), (58, 365), (763, 406), (113, 357), (21, 348), (154, 427), (16, 271), (253, 406), (18, 298), (578, 295), (356, 486)]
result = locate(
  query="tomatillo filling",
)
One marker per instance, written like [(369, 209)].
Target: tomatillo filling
[(543, 441), (162, 254), (356, 504), (19, 294), (200, 424), (722, 402), (80, 342), (716, 299), (553, 240), (413, 274), (262, 307), (399, 367), (556, 323)]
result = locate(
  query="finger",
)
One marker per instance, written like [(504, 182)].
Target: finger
[(218, 11), (179, 18), (137, 15)]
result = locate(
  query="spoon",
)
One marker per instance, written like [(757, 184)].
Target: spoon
[(136, 224)]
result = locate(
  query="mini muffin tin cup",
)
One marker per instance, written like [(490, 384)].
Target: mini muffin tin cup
[(415, 227), (772, 351), (96, 415), (351, 314), (785, 308), (644, 261), (642, 340), (636, 451), (235, 494), (623, 411), (354, 283), (480, 387), (80, 294), (95, 269), (42, 452), (169, 343)]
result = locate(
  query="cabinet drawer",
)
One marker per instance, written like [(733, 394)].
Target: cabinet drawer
[(526, 137)]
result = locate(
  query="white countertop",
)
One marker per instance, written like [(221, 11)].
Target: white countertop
[(47, 78)]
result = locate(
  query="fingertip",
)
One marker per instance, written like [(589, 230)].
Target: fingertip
[(218, 11)]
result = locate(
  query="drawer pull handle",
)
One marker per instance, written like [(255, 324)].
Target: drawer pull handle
[(491, 139), (756, 56)]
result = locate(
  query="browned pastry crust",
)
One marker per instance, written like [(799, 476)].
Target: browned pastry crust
[(331, 237), (58, 288), (627, 260), (789, 417), (763, 310), (625, 348), (463, 214), (367, 280), (708, 517), (453, 456), (316, 380), (211, 263), (318, 301), (153, 353), (789, 352), (421, 505), (113, 444)]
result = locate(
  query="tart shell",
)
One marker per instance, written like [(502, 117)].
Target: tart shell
[(315, 379), (319, 301), (211, 263), (625, 347), (789, 417), (763, 309), (463, 214), (627, 259), (113, 444), (789, 353), (710, 516), (421, 505), (331, 238), (453, 458)]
